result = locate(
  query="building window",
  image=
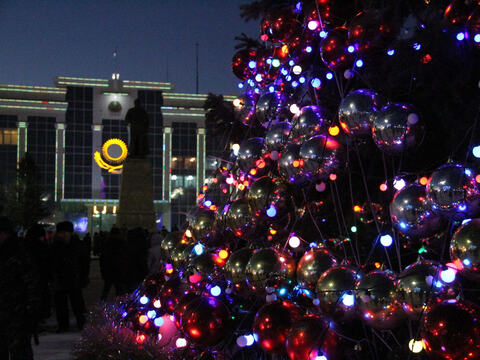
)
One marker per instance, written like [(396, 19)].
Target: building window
[(8, 136)]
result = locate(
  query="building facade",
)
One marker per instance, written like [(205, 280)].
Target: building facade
[(63, 126)]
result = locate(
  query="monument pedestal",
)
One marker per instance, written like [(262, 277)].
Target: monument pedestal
[(136, 195)]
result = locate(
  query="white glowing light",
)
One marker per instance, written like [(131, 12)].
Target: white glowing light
[(448, 275), (180, 343), (294, 242), (313, 24), (297, 69), (386, 240), (415, 346), (399, 184), (294, 109)]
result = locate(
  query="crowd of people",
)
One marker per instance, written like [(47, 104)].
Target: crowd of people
[(45, 272)]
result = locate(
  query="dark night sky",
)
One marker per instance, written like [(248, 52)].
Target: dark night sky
[(43, 39)]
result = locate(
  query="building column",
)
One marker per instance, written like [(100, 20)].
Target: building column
[(96, 171), (167, 163), (22, 137), (200, 158), (59, 160)]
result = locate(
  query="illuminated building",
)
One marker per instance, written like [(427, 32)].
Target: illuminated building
[(62, 127)]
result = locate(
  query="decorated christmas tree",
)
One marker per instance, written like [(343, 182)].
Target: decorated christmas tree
[(340, 223)]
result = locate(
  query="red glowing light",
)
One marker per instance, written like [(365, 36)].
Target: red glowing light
[(334, 130), (195, 278), (260, 163), (333, 177), (140, 338), (357, 208), (383, 187), (253, 172), (477, 178), (264, 37), (296, 163), (223, 254), (423, 180)]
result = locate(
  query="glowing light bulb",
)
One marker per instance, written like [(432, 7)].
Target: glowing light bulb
[(399, 184), (157, 304), (313, 24), (334, 130), (294, 109), (323, 34), (448, 275), (242, 341), (258, 77), (417, 46), (308, 49), (301, 80), (198, 249), (297, 69), (316, 82), (329, 76), (359, 63), (476, 151), (275, 63), (180, 343), (321, 357), (415, 346), (294, 84), (351, 48), (252, 64), (144, 300), (461, 36), (142, 319), (151, 314), (353, 229), (294, 242), (423, 180), (223, 254), (207, 203), (390, 52), (250, 339), (348, 300), (271, 211), (386, 240), (216, 290), (476, 38), (188, 233), (462, 207), (383, 187)]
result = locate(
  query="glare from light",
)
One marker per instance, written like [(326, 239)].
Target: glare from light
[(252, 64), (390, 52), (323, 34), (461, 36), (476, 38), (386, 240), (158, 322), (351, 48), (258, 77), (353, 229), (151, 314)]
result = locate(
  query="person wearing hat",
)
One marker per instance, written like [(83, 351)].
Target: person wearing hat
[(19, 296), (69, 276)]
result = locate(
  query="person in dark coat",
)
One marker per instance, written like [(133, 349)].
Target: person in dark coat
[(19, 296), (113, 263), (40, 253), (137, 250), (69, 275)]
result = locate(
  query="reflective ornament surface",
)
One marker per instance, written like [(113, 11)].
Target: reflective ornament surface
[(235, 269), (244, 108), (336, 289), (170, 241), (453, 192), (290, 165), (181, 306), (250, 151), (357, 111), (277, 136), (240, 62), (332, 48), (260, 193), (265, 264), (239, 217), (417, 287), (310, 121), (450, 330), (377, 301), (312, 265), (321, 156), (411, 213), (465, 248), (279, 24), (205, 321), (267, 107), (397, 128), (272, 324), (200, 222)]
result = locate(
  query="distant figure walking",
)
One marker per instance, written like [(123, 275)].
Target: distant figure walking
[(137, 117), (19, 296), (69, 274)]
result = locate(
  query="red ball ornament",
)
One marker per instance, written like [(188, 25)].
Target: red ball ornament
[(279, 25), (181, 306), (451, 331), (240, 62), (333, 48), (367, 29), (171, 292), (272, 323), (309, 339), (205, 321)]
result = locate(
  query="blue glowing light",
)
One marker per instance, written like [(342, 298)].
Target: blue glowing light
[(288, 78), (390, 52), (351, 48), (271, 89), (438, 284), (250, 339), (208, 203), (158, 322), (284, 71), (269, 61), (476, 38), (275, 63), (144, 300), (468, 172), (417, 46), (313, 245), (461, 36), (282, 291), (448, 275), (240, 85), (348, 299), (316, 82), (294, 83), (216, 290), (308, 49), (323, 34), (386, 240), (403, 225), (329, 76), (271, 211), (258, 77), (467, 262), (462, 207), (476, 151), (198, 249), (151, 314), (257, 91), (301, 80), (359, 63), (321, 357), (252, 64), (291, 63), (466, 221)]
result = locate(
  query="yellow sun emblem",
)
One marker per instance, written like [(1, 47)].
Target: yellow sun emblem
[(114, 164)]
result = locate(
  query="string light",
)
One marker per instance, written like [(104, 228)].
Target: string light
[(423, 180), (294, 242), (329, 76), (180, 343), (383, 187), (313, 24), (334, 130), (415, 346), (386, 240), (144, 300), (216, 290)]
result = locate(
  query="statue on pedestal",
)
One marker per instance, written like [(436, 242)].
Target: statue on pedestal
[(137, 117)]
